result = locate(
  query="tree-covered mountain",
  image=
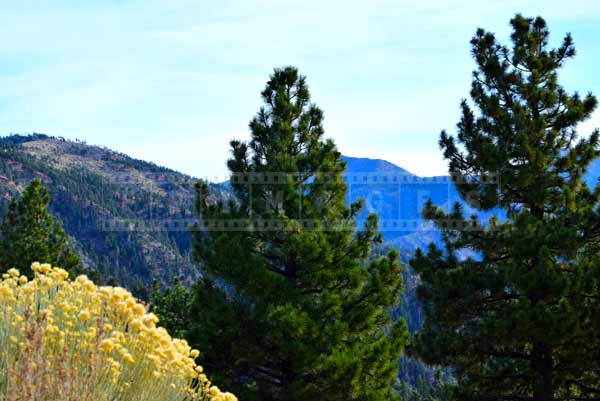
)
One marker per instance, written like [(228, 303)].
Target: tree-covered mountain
[(125, 217)]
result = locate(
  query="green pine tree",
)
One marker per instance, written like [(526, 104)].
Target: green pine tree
[(520, 319), (172, 305), (30, 234), (295, 312)]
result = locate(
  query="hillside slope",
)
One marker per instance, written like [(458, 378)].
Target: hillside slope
[(125, 217)]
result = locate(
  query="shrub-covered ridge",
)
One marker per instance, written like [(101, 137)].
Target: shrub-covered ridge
[(73, 340)]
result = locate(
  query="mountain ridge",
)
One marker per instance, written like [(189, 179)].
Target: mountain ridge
[(368, 165), (96, 193)]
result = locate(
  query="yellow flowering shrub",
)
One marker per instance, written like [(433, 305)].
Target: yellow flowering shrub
[(74, 341)]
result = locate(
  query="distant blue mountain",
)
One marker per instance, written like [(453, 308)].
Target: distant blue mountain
[(397, 197), (363, 164)]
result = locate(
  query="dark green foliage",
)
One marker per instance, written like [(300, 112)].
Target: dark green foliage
[(415, 378), (172, 305), (30, 234), (423, 390), (520, 320), (294, 313)]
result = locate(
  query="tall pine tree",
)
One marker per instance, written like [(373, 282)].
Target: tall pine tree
[(294, 311), (520, 319), (30, 234)]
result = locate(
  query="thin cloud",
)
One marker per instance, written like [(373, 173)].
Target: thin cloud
[(173, 81)]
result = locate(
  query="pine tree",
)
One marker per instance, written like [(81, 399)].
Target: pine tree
[(30, 234), (520, 318), (294, 311), (172, 305)]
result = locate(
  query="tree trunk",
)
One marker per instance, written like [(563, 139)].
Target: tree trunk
[(542, 365)]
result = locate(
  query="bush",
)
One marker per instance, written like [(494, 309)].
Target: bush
[(74, 341)]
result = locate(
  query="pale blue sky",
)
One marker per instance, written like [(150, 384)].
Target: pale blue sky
[(173, 81)]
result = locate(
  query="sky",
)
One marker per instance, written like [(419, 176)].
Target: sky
[(174, 81)]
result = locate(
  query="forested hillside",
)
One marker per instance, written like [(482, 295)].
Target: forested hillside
[(125, 217)]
